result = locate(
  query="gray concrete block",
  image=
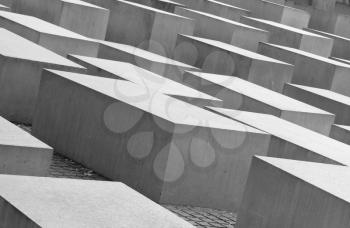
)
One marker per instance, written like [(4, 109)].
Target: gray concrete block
[(7, 3), (220, 58), (340, 133), (224, 30), (341, 45), (50, 36), (295, 194), (4, 8), (21, 63), (143, 26), (292, 141), (21, 153), (217, 8), (280, 13), (312, 70), (55, 202), (166, 5), (150, 61), (335, 103), (170, 151), (135, 74), (293, 37), (239, 94), (75, 15)]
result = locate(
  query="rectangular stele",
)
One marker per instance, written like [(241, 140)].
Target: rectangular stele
[(292, 141), (56, 202), (167, 149), (75, 15), (340, 133), (158, 64), (330, 101), (237, 93), (166, 5), (21, 153), (293, 37), (4, 8), (21, 63), (135, 74), (216, 57), (310, 69), (143, 26), (48, 35), (218, 28), (295, 194)]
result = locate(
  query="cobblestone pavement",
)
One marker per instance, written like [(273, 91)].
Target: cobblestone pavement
[(63, 167)]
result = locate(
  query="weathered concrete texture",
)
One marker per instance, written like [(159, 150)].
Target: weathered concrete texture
[(280, 13), (325, 99), (224, 30), (292, 141), (21, 63), (312, 70), (4, 8), (324, 5), (21, 153), (135, 74), (155, 63), (293, 37), (50, 36), (295, 194), (143, 26), (75, 15), (340, 133), (166, 5), (220, 58), (341, 45), (166, 149), (239, 94), (53, 202), (217, 8), (7, 3)]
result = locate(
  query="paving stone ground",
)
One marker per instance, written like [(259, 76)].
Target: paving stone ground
[(62, 167)]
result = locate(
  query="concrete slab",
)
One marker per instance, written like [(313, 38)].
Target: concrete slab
[(341, 60), (341, 45), (21, 63), (7, 3), (269, 10), (166, 5), (292, 141), (135, 74), (4, 8), (224, 30), (21, 153), (312, 70), (325, 99), (240, 94), (340, 133), (220, 58), (75, 15), (158, 64), (217, 8), (53, 202), (293, 37), (50, 36), (143, 26), (170, 151), (289, 193)]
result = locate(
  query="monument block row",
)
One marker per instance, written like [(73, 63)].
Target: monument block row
[(169, 150)]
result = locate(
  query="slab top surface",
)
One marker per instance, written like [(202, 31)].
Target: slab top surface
[(40, 25), (228, 5), (161, 105), (235, 49), (328, 34), (83, 3), (14, 46), (259, 93), (333, 179), (11, 135), (310, 55), (290, 132), (225, 20), (328, 94), (59, 202), (144, 77), (286, 27), (138, 52), (347, 128)]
